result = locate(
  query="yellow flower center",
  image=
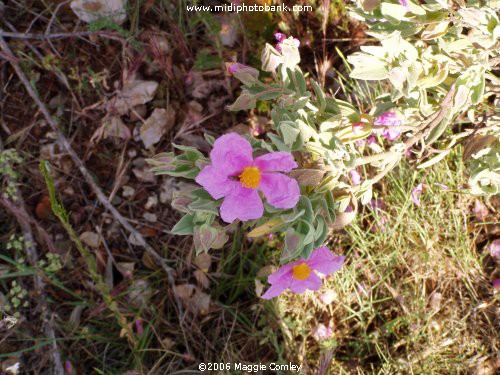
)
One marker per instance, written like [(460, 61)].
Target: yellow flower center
[(250, 177), (301, 271)]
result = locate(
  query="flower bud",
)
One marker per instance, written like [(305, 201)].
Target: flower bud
[(245, 74)]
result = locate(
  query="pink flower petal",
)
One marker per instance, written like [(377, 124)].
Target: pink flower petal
[(313, 282), (496, 284), (275, 290), (324, 261), (218, 185), (391, 134), (280, 191), (231, 154), (415, 194), (280, 161), (243, 204), (282, 272)]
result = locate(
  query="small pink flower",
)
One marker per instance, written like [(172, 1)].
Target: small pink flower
[(494, 249), (302, 274), (328, 297), (139, 326), (415, 194), (237, 177), (322, 332), (377, 204), (355, 177), (279, 37), (387, 120), (496, 284), (405, 4), (480, 210), (371, 139), (68, 368)]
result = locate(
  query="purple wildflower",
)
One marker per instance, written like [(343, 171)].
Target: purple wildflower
[(322, 332), (496, 284), (387, 120), (355, 177), (302, 274), (139, 326), (237, 177), (68, 368), (480, 210), (415, 194), (279, 37), (328, 297), (405, 4), (377, 204), (494, 249)]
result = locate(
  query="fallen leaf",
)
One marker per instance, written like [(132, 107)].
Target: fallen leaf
[(126, 268), (135, 92), (203, 262), (148, 216), (199, 303), (159, 123), (184, 291), (93, 10), (202, 279), (90, 239), (43, 209), (111, 127), (149, 231), (167, 343)]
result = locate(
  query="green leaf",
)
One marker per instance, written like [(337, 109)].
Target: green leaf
[(289, 132), (393, 12), (203, 205), (184, 226), (293, 245)]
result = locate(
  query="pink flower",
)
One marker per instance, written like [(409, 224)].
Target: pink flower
[(302, 274), (386, 120), (139, 327), (415, 194), (235, 176), (355, 177), (496, 284), (480, 210), (279, 37), (494, 249), (68, 368), (322, 332), (377, 204)]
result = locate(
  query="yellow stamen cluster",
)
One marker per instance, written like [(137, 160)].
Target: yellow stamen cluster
[(301, 271), (250, 177)]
